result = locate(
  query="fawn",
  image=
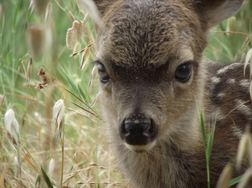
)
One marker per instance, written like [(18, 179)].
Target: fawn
[(154, 85)]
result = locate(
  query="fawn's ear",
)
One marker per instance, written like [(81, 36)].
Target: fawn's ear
[(216, 11)]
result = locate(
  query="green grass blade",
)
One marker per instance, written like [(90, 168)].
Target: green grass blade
[(46, 178), (235, 181)]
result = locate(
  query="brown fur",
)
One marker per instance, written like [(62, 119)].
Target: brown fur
[(142, 44)]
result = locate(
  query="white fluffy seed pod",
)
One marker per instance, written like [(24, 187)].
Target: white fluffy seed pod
[(58, 115), (11, 125), (51, 167)]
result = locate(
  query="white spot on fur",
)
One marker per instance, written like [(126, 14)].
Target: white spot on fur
[(244, 83), (221, 95), (231, 81), (228, 67), (215, 80), (223, 70), (243, 108)]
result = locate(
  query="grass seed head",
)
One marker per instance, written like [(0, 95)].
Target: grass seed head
[(51, 167), (58, 115), (40, 40), (74, 34), (36, 40), (12, 126)]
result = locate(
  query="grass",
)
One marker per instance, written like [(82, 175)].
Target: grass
[(88, 160), (208, 139)]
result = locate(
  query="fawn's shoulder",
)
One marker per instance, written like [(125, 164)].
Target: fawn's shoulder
[(229, 96)]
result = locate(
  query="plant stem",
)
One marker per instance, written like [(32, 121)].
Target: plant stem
[(19, 165), (62, 158), (208, 172)]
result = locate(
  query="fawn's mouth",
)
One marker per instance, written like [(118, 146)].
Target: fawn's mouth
[(141, 148)]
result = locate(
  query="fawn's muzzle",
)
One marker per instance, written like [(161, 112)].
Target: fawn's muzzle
[(138, 130)]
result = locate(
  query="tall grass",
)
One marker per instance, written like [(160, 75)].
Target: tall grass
[(66, 74), (87, 159)]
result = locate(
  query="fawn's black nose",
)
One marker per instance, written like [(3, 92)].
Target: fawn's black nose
[(138, 129)]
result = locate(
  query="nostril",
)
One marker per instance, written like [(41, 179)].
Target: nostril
[(150, 128), (138, 130), (136, 126)]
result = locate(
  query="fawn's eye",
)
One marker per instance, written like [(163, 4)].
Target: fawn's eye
[(104, 77), (184, 72)]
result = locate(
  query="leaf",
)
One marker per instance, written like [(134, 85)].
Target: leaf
[(203, 130), (38, 182), (2, 180), (46, 178), (210, 141), (235, 181)]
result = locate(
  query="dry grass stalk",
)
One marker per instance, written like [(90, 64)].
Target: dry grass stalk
[(58, 116), (231, 25), (48, 117), (243, 148), (93, 76), (90, 7), (225, 176), (2, 178), (12, 128), (84, 58), (28, 71), (2, 98), (248, 61), (246, 180), (40, 6), (51, 167)]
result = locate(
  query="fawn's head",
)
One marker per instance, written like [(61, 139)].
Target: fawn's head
[(148, 58)]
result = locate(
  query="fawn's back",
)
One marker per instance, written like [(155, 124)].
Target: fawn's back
[(154, 85)]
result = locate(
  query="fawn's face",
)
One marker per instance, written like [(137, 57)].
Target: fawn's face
[(148, 61)]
